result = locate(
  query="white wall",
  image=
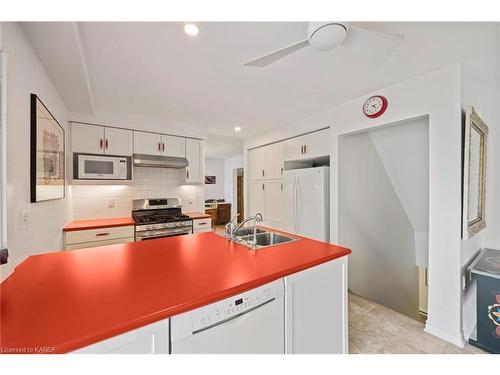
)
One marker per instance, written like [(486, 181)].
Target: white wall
[(436, 94), (373, 222), (92, 201), (480, 87), (215, 167), (230, 164), (25, 75)]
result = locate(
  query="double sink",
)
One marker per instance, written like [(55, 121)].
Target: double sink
[(264, 238)]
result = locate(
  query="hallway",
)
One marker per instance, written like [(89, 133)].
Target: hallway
[(375, 329)]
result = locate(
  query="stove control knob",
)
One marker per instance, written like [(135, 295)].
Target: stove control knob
[(149, 227)]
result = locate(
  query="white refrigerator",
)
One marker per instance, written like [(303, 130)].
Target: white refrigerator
[(307, 204)]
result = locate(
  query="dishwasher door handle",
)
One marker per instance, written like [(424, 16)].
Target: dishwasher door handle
[(238, 318)]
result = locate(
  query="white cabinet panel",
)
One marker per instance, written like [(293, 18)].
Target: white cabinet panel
[(147, 143), (85, 245), (317, 144), (274, 203), (257, 162), (257, 198), (88, 139), (294, 148), (275, 165), (316, 309), (118, 142), (150, 339), (195, 160), (173, 146), (202, 225)]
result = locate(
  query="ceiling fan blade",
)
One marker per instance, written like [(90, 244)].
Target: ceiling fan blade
[(373, 46), (276, 55)]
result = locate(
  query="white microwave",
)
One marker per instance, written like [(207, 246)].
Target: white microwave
[(101, 167)]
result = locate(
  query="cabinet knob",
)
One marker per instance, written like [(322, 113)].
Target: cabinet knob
[(305, 149), (302, 150), (159, 146), (106, 144), (187, 174), (262, 173), (100, 143)]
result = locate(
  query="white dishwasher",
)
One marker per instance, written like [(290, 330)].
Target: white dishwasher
[(248, 323)]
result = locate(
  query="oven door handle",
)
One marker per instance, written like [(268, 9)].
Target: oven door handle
[(165, 234)]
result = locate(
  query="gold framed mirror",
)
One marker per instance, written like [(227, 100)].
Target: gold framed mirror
[(475, 142)]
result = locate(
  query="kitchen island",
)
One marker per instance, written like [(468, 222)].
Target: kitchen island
[(65, 301)]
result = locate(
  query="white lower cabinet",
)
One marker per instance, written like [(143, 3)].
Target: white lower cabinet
[(150, 339), (257, 198), (80, 239), (316, 309), (202, 225)]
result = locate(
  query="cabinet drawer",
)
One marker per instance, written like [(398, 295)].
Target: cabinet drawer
[(84, 245), (200, 224), (96, 235)]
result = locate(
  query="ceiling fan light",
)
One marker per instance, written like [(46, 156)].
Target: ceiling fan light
[(325, 36)]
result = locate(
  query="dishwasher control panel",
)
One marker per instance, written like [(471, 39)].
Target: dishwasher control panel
[(232, 307)]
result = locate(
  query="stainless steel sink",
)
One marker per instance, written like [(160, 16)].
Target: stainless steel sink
[(246, 231), (266, 239)]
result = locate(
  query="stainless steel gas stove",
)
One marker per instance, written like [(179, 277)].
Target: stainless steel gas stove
[(160, 217)]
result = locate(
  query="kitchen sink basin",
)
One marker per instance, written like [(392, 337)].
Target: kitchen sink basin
[(266, 239), (246, 231)]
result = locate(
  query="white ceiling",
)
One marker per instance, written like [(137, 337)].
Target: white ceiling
[(220, 146), (155, 68)]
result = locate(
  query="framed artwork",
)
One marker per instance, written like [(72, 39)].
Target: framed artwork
[(47, 177), (475, 141), (210, 180)]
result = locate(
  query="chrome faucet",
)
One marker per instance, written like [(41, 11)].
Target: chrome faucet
[(256, 219), (229, 227)]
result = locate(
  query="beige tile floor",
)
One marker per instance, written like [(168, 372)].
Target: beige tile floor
[(376, 329)]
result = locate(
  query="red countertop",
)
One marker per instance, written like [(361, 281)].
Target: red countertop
[(99, 223), (71, 299), (197, 215)]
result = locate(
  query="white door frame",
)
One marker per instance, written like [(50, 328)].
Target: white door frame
[(3, 152)]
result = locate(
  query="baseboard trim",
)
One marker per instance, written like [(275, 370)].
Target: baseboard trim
[(454, 339)]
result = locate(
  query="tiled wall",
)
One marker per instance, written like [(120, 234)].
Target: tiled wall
[(92, 201)]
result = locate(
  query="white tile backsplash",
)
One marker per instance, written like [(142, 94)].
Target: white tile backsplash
[(91, 201)]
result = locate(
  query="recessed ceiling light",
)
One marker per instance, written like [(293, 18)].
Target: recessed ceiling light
[(191, 29), (237, 129)]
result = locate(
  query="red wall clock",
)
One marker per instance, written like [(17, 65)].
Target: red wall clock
[(375, 106)]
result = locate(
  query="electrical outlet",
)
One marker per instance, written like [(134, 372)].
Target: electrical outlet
[(111, 202), (24, 219)]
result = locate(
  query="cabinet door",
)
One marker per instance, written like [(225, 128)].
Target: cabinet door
[(294, 148), (316, 309), (257, 198), (275, 154), (88, 139), (317, 144), (173, 146), (118, 142), (193, 155), (223, 214), (257, 160), (274, 206), (150, 339), (147, 143)]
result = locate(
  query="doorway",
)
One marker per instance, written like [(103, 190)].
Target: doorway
[(384, 213), (239, 194)]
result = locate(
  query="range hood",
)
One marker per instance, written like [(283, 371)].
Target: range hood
[(142, 160)]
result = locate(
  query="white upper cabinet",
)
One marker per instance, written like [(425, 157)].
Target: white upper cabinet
[(275, 164), (159, 144), (274, 203), (317, 144), (118, 142), (257, 198), (88, 139), (266, 163), (194, 155), (308, 146), (173, 146), (147, 143), (294, 148), (93, 139), (257, 163)]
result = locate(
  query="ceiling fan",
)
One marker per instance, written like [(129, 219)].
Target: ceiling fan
[(373, 46)]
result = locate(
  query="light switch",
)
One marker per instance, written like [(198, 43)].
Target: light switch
[(24, 219)]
